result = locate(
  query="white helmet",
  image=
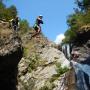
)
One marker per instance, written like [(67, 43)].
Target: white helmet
[(40, 15)]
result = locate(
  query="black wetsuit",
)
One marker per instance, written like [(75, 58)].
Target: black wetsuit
[(37, 23), (15, 24)]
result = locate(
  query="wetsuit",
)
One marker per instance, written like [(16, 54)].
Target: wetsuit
[(37, 24)]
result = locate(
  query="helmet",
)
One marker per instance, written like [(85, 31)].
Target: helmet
[(40, 15)]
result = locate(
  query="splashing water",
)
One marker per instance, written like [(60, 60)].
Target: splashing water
[(82, 72)]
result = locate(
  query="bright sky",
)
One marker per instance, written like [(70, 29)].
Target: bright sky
[(54, 13)]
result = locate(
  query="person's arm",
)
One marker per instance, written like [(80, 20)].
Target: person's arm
[(11, 22), (18, 23), (41, 22)]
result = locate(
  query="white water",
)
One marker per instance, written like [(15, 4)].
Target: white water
[(82, 72)]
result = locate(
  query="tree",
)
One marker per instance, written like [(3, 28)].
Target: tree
[(84, 5), (1, 5), (78, 19), (70, 36), (13, 11), (24, 26), (2, 8), (7, 13)]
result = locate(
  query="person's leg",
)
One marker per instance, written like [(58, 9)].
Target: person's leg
[(16, 28), (37, 31)]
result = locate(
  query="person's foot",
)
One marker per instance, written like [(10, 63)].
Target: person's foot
[(37, 36)]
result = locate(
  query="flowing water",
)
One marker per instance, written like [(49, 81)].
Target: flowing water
[(82, 72)]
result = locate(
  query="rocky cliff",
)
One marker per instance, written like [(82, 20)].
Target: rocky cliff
[(10, 55), (81, 64), (82, 43), (43, 66)]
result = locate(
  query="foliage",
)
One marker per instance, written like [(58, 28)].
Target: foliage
[(76, 20), (54, 77), (61, 70), (84, 5), (70, 36), (44, 88), (34, 62), (7, 13), (13, 11), (48, 86), (2, 6), (24, 26), (25, 52), (86, 17)]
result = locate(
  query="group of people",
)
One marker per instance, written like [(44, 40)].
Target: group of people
[(15, 24)]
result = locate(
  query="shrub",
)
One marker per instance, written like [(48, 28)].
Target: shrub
[(24, 26), (61, 70), (34, 62), (7, 13)]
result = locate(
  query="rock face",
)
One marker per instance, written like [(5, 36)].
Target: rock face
[(10, 55), (43, 76), (37, 70), (66, 81), (82, 45), (81, 64)]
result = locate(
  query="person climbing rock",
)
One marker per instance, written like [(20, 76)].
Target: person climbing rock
[(15, 23), (37, 26)]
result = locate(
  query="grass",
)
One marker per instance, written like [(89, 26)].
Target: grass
[(59, 71), (34, 62), (44, 88), (48, 87)]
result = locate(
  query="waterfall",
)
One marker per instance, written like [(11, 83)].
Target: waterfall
[(82, 69), (82, 72), (66, 49)]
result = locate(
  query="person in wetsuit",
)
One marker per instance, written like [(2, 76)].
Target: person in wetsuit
[(37, 26), (15, 23)]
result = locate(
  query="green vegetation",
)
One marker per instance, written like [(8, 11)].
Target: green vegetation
[(24, 26), (44, 88), (75, 21), (84, 5), (54, 77), (48, 86), (34, 62), (60, 70), (7, 13), (70, 36)]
